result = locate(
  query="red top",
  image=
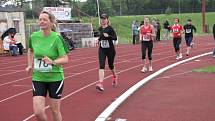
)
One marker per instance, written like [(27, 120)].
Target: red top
[(12, 42), (146, 32), (176, 30)]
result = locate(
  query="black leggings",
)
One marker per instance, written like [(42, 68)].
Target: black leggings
[(176, 43), (145, 45), (110, 54)]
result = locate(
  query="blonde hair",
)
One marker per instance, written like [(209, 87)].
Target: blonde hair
[(53, 20)]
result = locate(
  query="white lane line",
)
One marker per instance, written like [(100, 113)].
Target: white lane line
[(22, 85), (13, 66), (91, 84), (112, 107), (12, 72), (64, 68), (65, 78), (173, 75), (77, 91), (14, 81), (15, 95), (108, 77)]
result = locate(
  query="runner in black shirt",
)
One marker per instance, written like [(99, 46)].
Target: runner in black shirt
[(106, 49), (189, 28)]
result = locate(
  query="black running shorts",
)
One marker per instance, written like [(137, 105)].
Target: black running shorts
[(53, 88)]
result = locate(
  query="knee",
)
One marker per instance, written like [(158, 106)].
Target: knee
[(39, 113), (55, 111)]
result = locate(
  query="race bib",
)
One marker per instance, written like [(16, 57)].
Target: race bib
[(146, 38), (105, 44), (188, 30), (40, 65), (175, 30)]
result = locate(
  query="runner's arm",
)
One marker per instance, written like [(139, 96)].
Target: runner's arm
[(194, 28), (30, 56), (153, 31), (112, 35), (61, 60)]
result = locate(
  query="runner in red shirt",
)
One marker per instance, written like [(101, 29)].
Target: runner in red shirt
[(177, 31), (147, 33)]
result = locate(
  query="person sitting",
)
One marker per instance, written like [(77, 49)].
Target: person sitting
[(9, 44), (20, 47), (68, 41)]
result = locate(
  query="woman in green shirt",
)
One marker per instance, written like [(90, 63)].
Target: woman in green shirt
[(47, 53)]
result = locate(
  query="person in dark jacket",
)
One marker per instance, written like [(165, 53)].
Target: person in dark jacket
[(106, 50), (189, 28), (166, 27)]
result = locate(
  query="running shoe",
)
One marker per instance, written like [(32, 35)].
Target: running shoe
[(150, 69), (191, 45), (187, 54), (100, 87), (177, 57), (144, 70), (114, 82), (180, 55)]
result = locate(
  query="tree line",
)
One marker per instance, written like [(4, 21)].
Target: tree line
[(117, 7), (143, 7)]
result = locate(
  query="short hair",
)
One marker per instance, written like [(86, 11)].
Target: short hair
[(189, 20), (177, 19)]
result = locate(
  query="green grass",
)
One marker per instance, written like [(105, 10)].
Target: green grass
[(210, 69), (122, 24)]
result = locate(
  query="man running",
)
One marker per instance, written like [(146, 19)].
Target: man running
[(189, 28), (177, 31)]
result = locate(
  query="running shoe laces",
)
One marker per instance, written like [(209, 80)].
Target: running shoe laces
[(100, 87)]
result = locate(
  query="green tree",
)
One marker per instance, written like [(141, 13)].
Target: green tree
[(90, 7)]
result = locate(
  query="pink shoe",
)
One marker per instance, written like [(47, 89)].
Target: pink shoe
[(114, 82)]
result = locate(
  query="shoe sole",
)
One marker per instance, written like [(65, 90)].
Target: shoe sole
[(99, 88)]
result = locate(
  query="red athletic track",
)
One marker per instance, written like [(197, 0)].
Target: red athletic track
[(81, 102), (176, 95)]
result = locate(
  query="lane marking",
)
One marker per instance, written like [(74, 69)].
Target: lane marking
[(15, 95), (69, 67), (22, 86), (91, 84), (114, 105)]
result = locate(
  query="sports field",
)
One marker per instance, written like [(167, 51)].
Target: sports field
[(177, 94)]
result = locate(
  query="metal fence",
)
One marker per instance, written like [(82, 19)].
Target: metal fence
[(76, 31)]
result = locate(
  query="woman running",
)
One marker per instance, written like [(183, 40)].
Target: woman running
[(189, 28), (177, 31), (106, 49), (47, 52), (147, 32)]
